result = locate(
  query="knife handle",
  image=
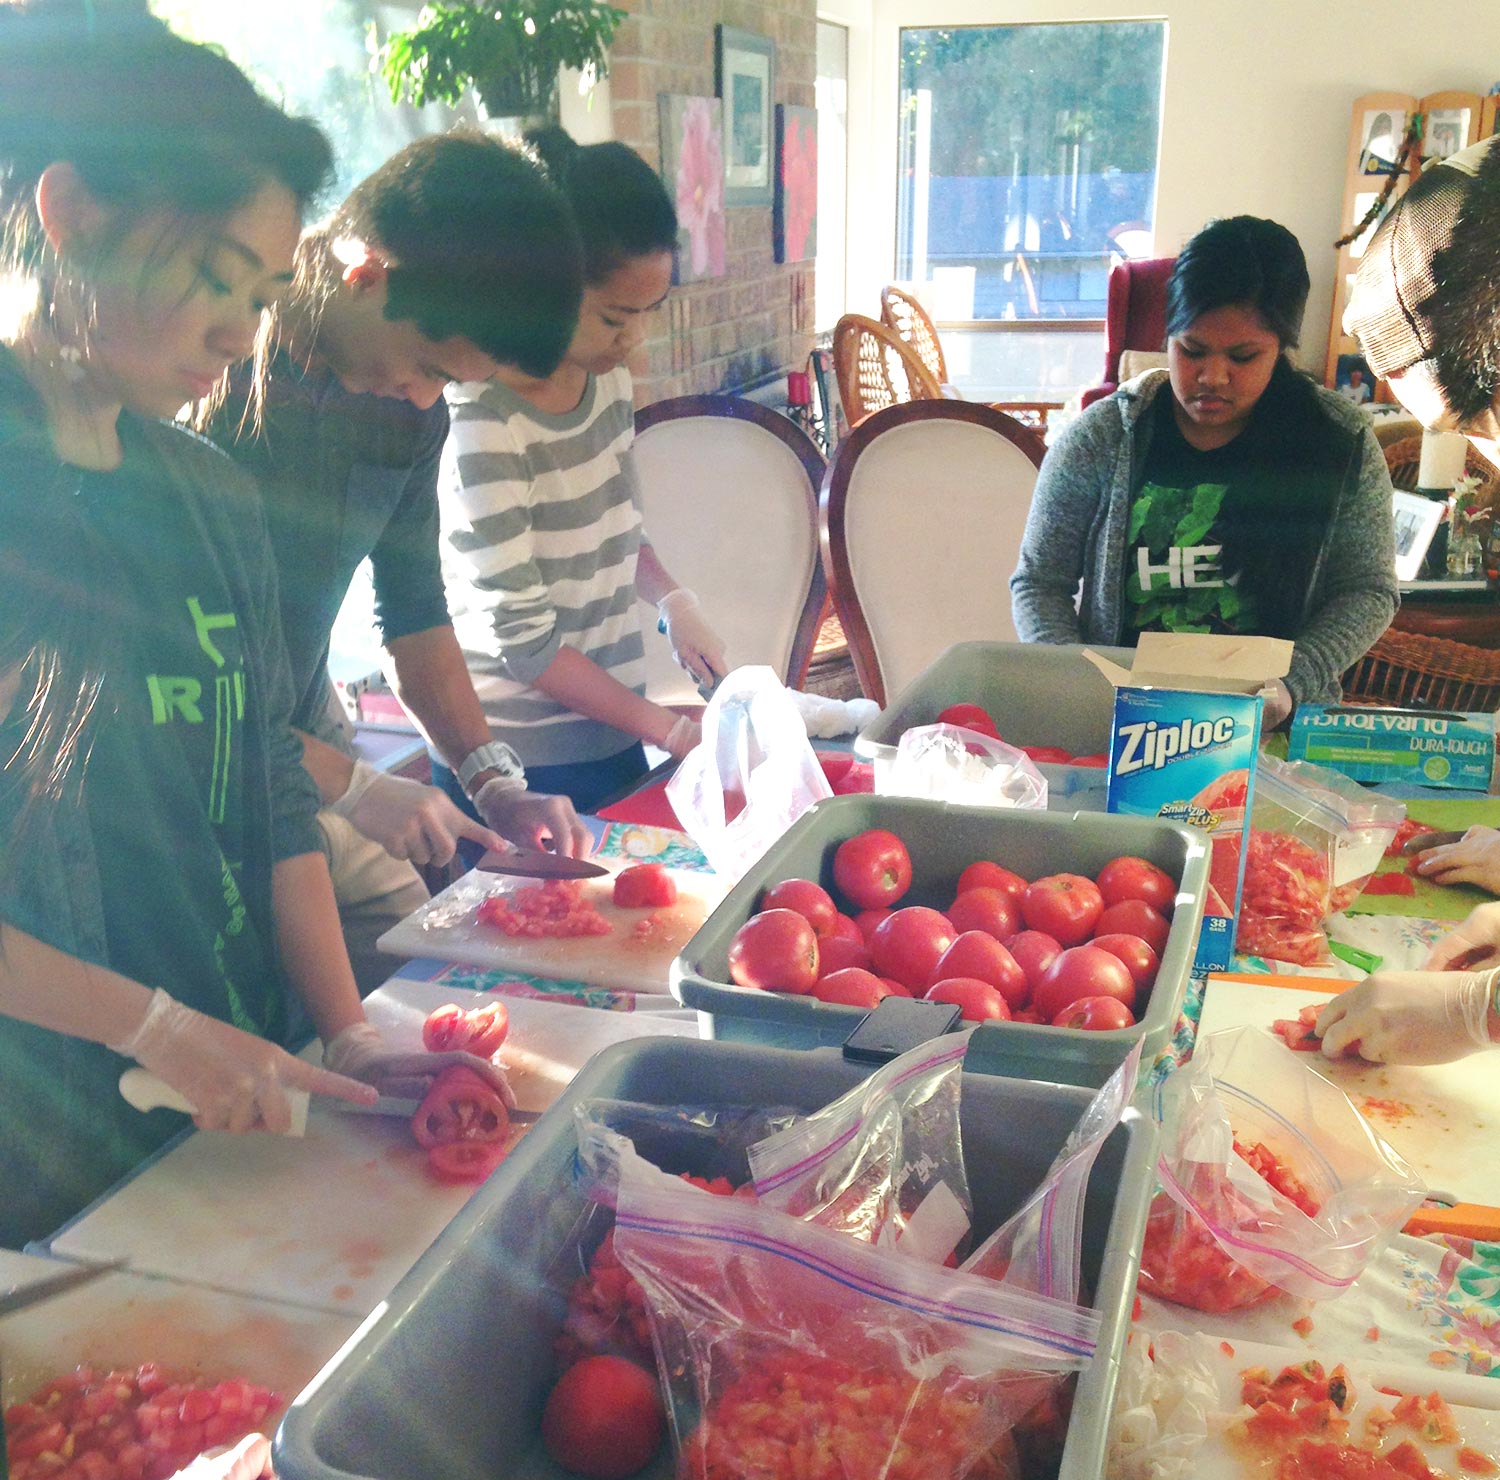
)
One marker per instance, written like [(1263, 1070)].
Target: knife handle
[(145, 1091)]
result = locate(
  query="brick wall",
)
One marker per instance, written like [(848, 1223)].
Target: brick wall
[(757, 320)]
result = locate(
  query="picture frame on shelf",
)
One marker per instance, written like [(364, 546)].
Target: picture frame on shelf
[(1416, 520), (745, 75)]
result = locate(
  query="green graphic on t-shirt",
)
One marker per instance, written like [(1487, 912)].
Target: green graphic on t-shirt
[(1175, 582)]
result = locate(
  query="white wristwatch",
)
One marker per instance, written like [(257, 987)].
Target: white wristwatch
[(491, 756)]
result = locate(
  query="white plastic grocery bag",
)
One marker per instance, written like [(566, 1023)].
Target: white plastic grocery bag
[(948, 763)]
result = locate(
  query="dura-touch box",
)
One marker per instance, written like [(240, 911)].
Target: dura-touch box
[(1183, 746), (1430, 748)]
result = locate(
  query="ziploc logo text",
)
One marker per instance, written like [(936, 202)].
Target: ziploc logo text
[(1148, 746)]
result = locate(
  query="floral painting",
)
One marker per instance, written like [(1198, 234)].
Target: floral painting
[(692, 165), (794, 222)]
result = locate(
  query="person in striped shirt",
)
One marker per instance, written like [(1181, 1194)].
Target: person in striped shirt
[(543, 543)]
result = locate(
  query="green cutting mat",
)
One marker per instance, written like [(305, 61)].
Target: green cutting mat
[(1434, 901)]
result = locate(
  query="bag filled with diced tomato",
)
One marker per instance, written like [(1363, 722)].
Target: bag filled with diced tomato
[(1270, 1180), (793, 1350)]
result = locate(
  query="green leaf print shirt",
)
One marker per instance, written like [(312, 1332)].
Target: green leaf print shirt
[(1175, 579)]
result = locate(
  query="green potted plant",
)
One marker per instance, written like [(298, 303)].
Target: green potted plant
[(508, 54)]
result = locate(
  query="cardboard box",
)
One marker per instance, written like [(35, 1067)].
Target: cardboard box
[(1452, 749), (1183, 746)]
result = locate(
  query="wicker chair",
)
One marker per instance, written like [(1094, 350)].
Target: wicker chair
[(1404, 458), (875, 369), (900, 311), (1410, 670)]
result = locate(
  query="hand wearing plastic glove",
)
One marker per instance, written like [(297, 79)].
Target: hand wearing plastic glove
[(1410, 1017), (361, 1053), (531, 819), (695, 645), (236, 1081), (408, 819), (1470, 945), (1474, 859), (1276, 705), (250, 1459), (682, 737)]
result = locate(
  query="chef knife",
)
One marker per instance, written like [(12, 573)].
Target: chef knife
[(533, 864), (1419, 842), (18, 1297)]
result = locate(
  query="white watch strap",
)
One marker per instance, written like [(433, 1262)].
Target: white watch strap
[(492, 756)]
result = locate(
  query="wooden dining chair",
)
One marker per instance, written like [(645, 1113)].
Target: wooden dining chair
[(903, 313), (729, 500), (876, 369), (922, 513)]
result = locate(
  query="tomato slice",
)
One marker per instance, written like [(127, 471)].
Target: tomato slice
[(446, 1029), (460, 1106), (464, 1161), (647, 886), (488, 1026), (1391, 884), (477, 1030)]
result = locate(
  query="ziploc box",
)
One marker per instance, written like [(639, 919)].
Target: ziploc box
[(1183, 746), (1429, 748)]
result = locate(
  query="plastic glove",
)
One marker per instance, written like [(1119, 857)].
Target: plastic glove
[(530, 819), (407, 819), (1474, 943), (1409, 1017), (1276, 704), (1474, 859), (684, 736), (250, 1459), (361, 1053), (695, 645), (825, 718), (236, 1081)]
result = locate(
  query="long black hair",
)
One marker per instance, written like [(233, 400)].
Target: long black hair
[(1241, 261)]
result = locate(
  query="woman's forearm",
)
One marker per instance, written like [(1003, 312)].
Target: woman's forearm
[(51, 989), (312, 943), (652, 579), (583, 686)]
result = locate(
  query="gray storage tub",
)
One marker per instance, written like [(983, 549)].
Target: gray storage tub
[(446, 1380), (943, 840)]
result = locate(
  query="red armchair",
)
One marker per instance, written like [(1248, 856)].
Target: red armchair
[(1135, 316)]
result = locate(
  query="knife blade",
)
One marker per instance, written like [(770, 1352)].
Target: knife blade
[(1421, 841), (18, 1297), (530, 864)]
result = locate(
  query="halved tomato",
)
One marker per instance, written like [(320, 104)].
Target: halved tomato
[(464, 1161), (460, 1106)]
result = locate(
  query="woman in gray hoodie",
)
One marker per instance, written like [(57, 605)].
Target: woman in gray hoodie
[(1227, 493)]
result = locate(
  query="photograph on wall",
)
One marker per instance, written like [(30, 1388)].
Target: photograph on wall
[(1364, 200), (1352, 379), (746, 67), (1446, 133), (1383, 131), (692, 168), (794, 216)]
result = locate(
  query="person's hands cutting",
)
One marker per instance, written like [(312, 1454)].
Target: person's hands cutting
[(1409, 1017), (361, 1053), (1474, 859), (695, 645), (409, 820), (533, 819)]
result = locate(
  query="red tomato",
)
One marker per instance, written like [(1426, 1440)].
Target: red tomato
[(1033, 951), (982, 958), (464, 1161), (1140, 960), (872, 869), (908, 944), (604, 1419), (479, 1030), (898, 989), (646, 886), (1129, 877), (970, 717), (987, 875), (846, 929), (488, 1026), (1048, 755), (1064, 906), (836, 954), (446, 1029), (811, 901), (978, 1001), (1082, 971), (852, 987), (1134, 917), (460, 1106), (989, 910), (776, 951), (866, 921), (1101, 1014), (1099, 759)]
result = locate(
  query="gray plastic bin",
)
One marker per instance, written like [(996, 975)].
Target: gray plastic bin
[(943, 840), (446, 1380), (1037, 693)]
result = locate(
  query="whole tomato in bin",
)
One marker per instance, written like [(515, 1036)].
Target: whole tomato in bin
[(604, 1419), (810, 900), (908, 944), (1129, 877), (872, 869), (1135, 917), (1082, 971), (776, 951), (1064, 906)]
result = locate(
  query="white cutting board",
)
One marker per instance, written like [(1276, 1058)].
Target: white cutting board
[(445, 928), (1475, 1402), (122, 1320), (334, 1219), (1443, 1118)]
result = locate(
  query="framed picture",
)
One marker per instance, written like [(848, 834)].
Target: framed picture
[(1416, 519), (1353, 380), (794, 214), (1447, 132), (692, 168), (745, 65), (1383, 130)]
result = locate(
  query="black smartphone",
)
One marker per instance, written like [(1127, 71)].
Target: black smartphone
[(897, 1024)]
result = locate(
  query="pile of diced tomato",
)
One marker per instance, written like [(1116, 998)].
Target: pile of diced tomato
[(127, 1425), (554, 908), (1284, 899)]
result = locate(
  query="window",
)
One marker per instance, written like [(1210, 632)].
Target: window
[(1028, 164), (831, 280)]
